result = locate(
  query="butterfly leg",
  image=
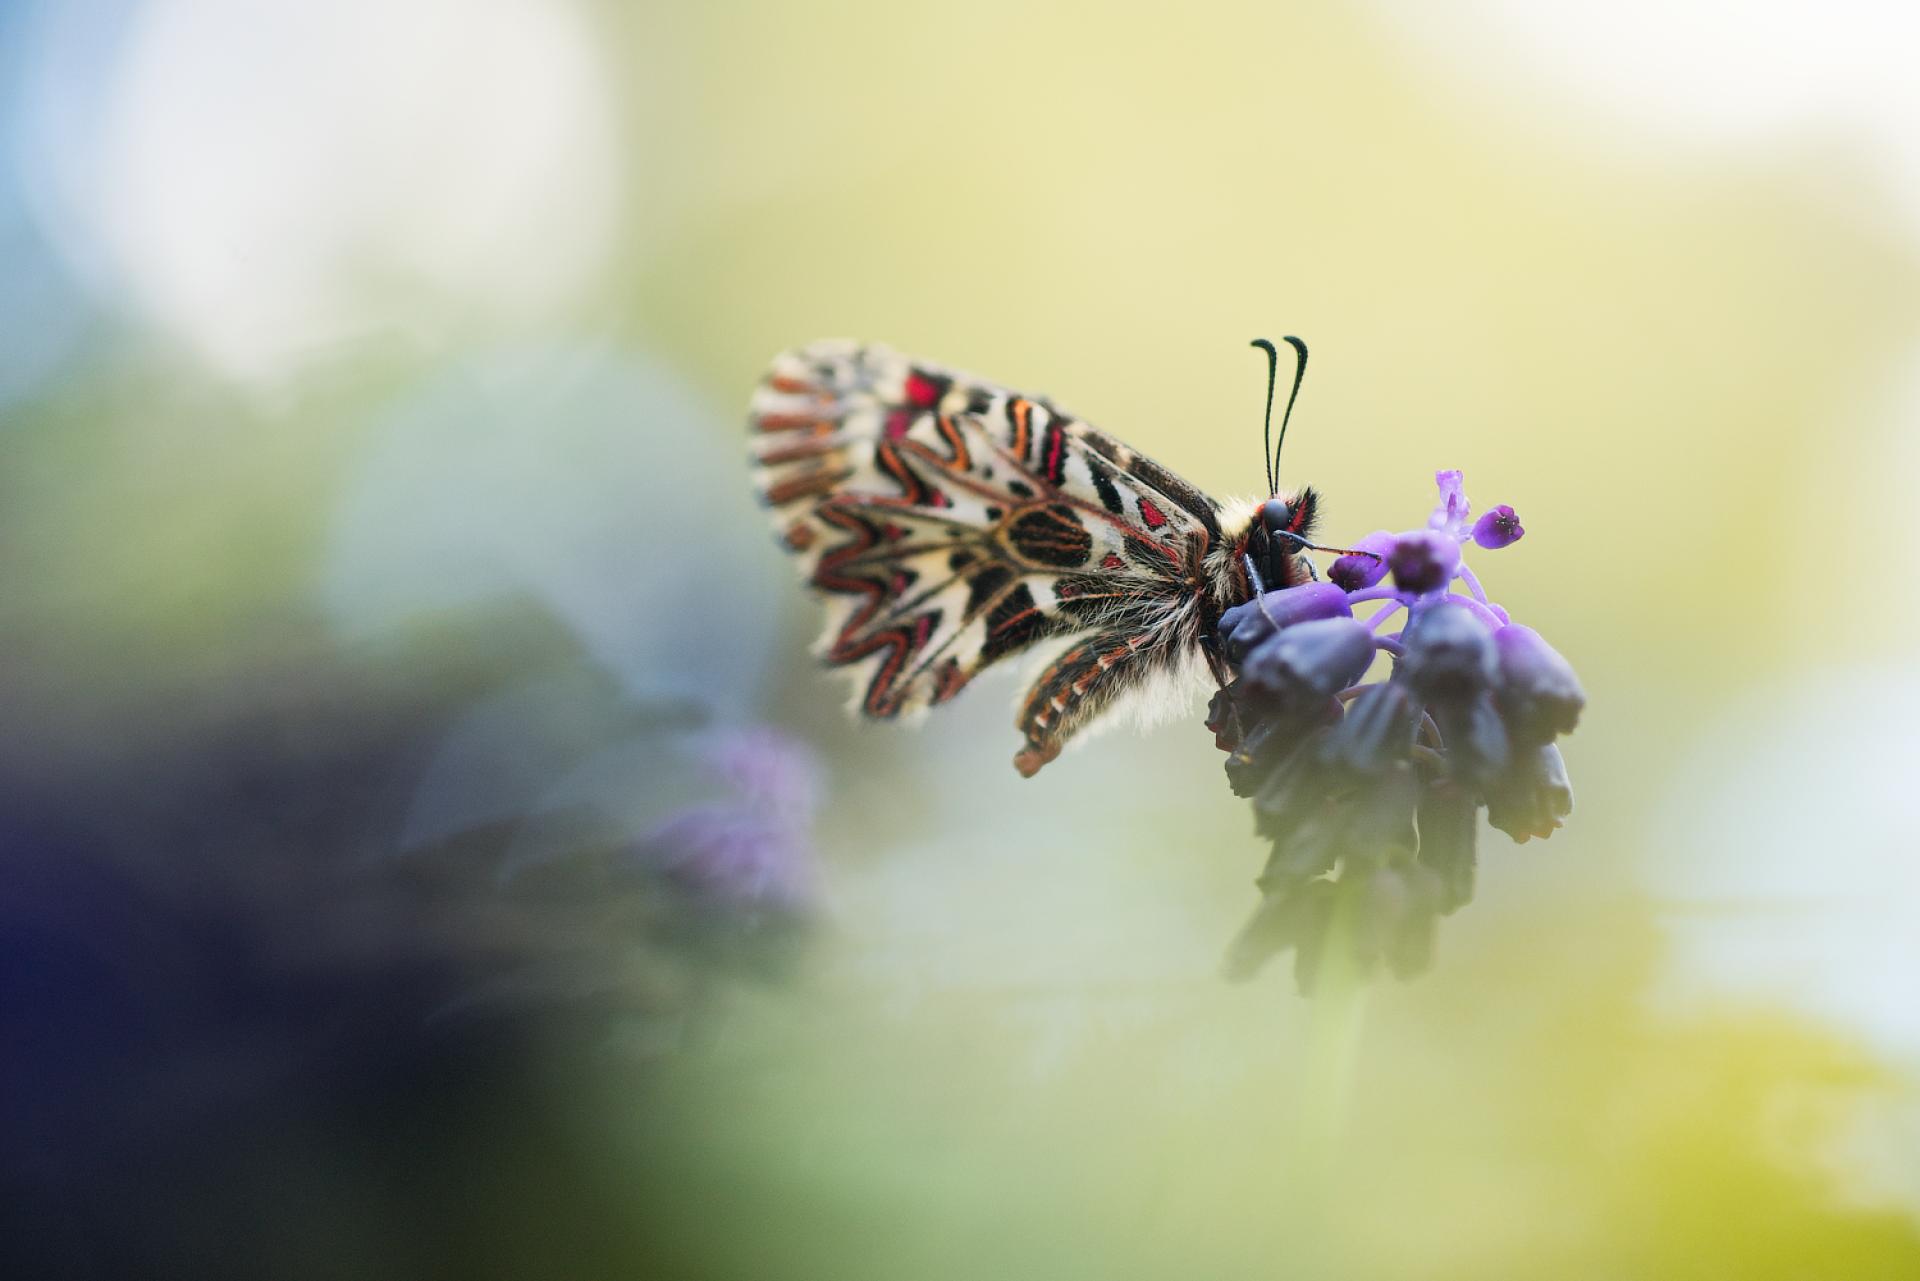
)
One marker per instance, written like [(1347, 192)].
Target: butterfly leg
[(1079, 685)]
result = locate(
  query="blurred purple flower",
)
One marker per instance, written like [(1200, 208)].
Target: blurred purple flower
[(752, 850), (1371, 793)]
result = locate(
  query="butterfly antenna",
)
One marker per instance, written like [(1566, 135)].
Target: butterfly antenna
[(1266, 431), (1299, 372)]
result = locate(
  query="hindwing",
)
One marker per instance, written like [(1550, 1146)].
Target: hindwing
[(951, 522)]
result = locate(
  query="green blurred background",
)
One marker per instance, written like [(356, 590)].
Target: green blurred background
[(378, 528)]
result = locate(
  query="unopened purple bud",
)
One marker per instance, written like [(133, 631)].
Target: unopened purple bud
[(1353, 573), (1450, 654), (1245, 626), (1539, 695), (1308, 663), (1377, 730), (1498, 528), (1423, 560), (1533, 796)]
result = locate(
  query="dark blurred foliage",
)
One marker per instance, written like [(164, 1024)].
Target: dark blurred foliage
[(250, 1034)]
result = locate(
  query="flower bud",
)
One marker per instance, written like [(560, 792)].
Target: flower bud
[(1377, 730), (1423, 561), (1450, 654), (1538, 693), (1531, 797), (1498, 528), (1245, 626), (1355, 572), (1308, 663)]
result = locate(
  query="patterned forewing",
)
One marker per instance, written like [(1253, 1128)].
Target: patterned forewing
[(951, 522)]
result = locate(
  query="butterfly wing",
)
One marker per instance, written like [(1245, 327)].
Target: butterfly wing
[(951, 522)]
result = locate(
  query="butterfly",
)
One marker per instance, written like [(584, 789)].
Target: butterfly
[(951, 523)]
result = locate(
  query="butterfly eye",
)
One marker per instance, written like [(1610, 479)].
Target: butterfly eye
[(1276, 514)]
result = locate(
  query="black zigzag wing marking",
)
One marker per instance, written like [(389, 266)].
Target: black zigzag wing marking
[(1153, 476), (951, 523)]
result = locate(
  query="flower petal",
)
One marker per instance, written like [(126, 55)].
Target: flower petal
[(1450, 515)]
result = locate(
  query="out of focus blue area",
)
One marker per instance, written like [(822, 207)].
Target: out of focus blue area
[(44, 314)]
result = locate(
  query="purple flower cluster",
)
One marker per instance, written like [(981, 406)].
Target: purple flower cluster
[(1371, 792)]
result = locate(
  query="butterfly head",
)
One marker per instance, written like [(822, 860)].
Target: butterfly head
[(1279, 529)]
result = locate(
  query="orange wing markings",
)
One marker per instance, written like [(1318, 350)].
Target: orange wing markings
[(812, 424), (817, 480)]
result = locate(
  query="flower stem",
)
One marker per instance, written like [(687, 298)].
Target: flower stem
[(1334, 1026), (1375, 623), (1473, 583)]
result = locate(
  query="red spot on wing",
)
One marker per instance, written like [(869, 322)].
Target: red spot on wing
[(1151, 514), (1056, 454), (920, 390), (1112, 561)]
